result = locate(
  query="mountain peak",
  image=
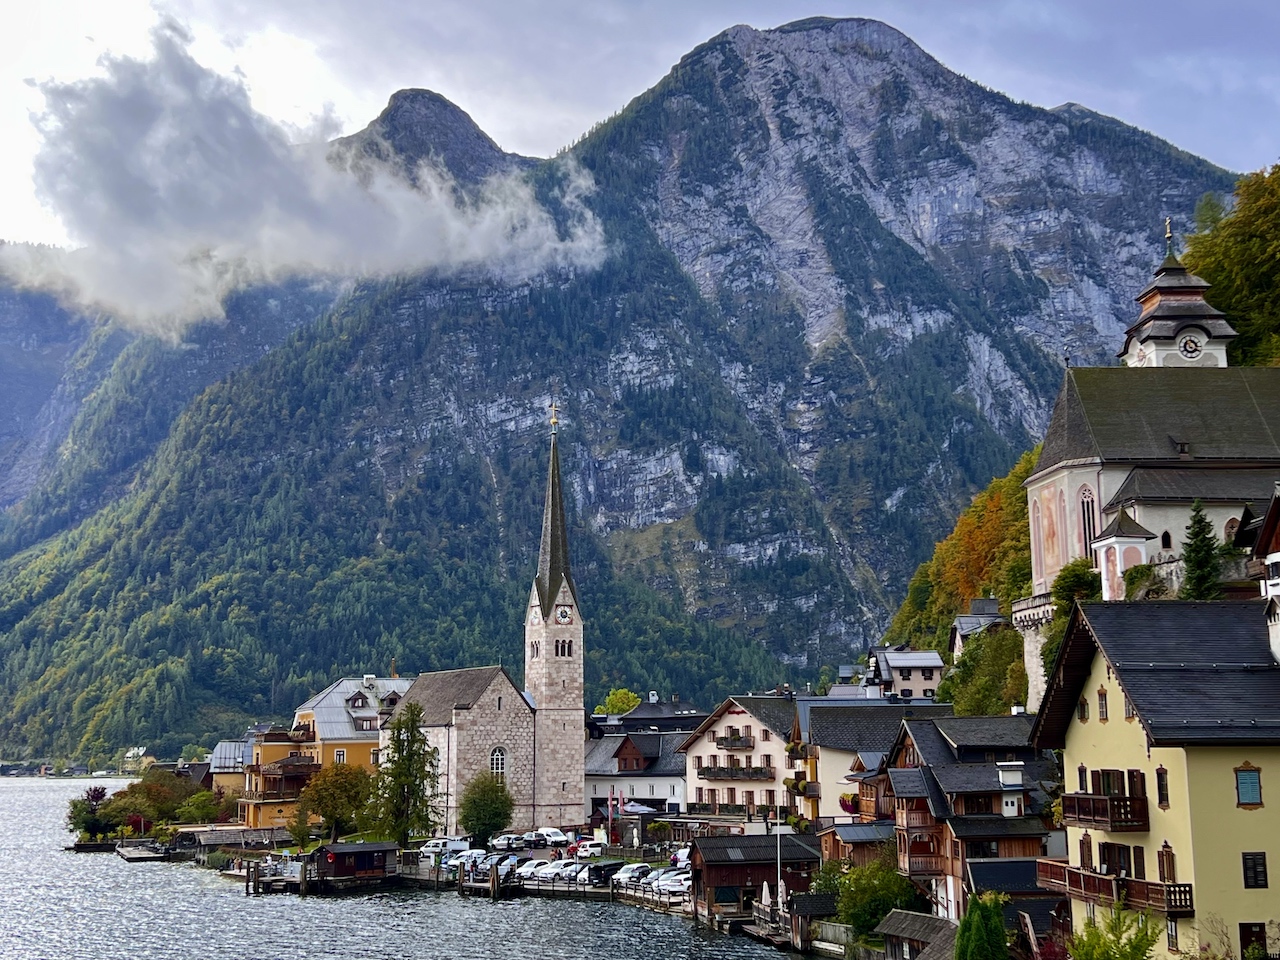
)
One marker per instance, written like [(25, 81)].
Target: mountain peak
[(422, 126)]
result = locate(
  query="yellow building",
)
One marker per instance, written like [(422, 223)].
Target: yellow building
[(1168, 716), (339, 724)]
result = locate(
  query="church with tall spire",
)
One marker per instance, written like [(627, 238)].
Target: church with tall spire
[(553, 659), (479, 720)]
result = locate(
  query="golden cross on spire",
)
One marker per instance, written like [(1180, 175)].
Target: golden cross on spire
[(1168, 236), (554, 420)]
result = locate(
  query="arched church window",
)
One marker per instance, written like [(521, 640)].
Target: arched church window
[(498, 764), (1166, 541), (1088, 520)]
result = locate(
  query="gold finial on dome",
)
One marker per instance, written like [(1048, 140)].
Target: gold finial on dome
[(1168, 236), (554, 419)]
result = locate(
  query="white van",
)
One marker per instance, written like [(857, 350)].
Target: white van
[(555, 838), (442, 848)]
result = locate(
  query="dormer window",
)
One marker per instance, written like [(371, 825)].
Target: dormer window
[(392, 700), (359, 701)]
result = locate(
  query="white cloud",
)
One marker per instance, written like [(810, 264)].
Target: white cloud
[(179, 191)]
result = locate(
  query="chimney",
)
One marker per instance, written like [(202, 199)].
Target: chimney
[(675, 698), (369, 678), (1017, 710), (653, 696)]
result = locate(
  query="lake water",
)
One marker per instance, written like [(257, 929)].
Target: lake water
[(65, 906)]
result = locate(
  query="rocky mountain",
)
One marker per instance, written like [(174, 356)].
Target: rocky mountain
[(839, 284)]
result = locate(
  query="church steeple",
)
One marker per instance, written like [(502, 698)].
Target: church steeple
[(553, 556)]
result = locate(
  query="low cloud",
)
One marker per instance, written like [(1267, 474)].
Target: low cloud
[(177, 193)]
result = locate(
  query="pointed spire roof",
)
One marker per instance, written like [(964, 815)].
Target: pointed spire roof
[(553, 556)]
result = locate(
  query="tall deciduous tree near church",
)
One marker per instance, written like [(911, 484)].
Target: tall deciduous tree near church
[(485, 808), (1200, 558), (403, 801), (337, 795)]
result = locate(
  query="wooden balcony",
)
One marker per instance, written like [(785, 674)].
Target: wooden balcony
[(1100, 812), (914, 818), (736, 773), (919, 864), (736, 742), (1170, 899)]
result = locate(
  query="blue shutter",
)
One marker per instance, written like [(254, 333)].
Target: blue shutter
[(1248, 787)]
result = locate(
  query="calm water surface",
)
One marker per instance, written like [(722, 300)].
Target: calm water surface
[(56, 905)]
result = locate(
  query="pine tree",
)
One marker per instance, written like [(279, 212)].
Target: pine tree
[(1200, 559), (403, 802), (981, 935)]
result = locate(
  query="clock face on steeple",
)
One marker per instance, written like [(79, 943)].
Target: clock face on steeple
[(1190, 346), (564, 615)]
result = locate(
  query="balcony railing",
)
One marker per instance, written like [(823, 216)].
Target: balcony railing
[(1171, 899), (920, 864), (270, 795), (914, 818), (1113, 814), (736, 742), (736, 773)]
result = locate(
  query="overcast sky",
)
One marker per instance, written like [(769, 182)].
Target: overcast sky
[(535, 75)]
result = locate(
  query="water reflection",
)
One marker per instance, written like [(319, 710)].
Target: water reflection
[(56, 905)]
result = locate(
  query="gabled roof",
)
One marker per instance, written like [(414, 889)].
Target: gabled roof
[(228, 756), (439, 693), (334, 718), (867, 725), (1195, 672), (775, 712), (1185, 484), (994, 732), (904, 659), (1124, 414), (984, 826), (759, 848), (908, 782)]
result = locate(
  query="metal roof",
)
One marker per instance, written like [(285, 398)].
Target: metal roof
[(1185, 484), (335, 718)]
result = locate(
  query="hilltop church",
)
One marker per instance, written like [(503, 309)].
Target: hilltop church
[(1130, 448), (534, 739)]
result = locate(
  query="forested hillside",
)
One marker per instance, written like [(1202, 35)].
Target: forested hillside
[(839, 280)]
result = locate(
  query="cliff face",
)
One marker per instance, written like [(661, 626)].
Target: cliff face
[(840, 281)]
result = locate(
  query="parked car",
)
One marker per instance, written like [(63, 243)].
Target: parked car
[(668, 881), (653, 876), (582, 874), (534, 840), (589, 848), (553, 837), (600, 873), (527, 869), (508, 864), (461, 860), (450, 846), (569, 870), (550, 872), (508, 841), (630, 873), (681, 885)]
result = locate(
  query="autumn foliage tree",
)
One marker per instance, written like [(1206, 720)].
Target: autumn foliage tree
[(337, 795)]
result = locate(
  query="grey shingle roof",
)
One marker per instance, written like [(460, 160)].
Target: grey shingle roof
[(993, 732), (758, 848), (1126, 414), (908, 925), (599, 760), (1195, 672), (1123, 525), (870, 725), (1007, 874), (438, 693), (812, 904), (997, 826), (776, 713), (908, 782), (941, 947), (877, 831), (1184, 484)]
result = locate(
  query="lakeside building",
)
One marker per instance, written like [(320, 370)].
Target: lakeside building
[(1130, 448), (534, 739), (969, 788), (1168, 718), (643, 768), (737, 760)]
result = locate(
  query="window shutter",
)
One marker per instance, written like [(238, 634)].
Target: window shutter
[(1139, 863), (1096, 781), (1137, 783), (1248, 787)]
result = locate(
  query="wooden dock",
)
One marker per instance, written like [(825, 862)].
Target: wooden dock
[(140, 854)]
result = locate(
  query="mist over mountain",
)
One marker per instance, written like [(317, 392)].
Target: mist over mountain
[(837, 284)]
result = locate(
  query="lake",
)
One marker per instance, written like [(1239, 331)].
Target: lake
[(56, 905)]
